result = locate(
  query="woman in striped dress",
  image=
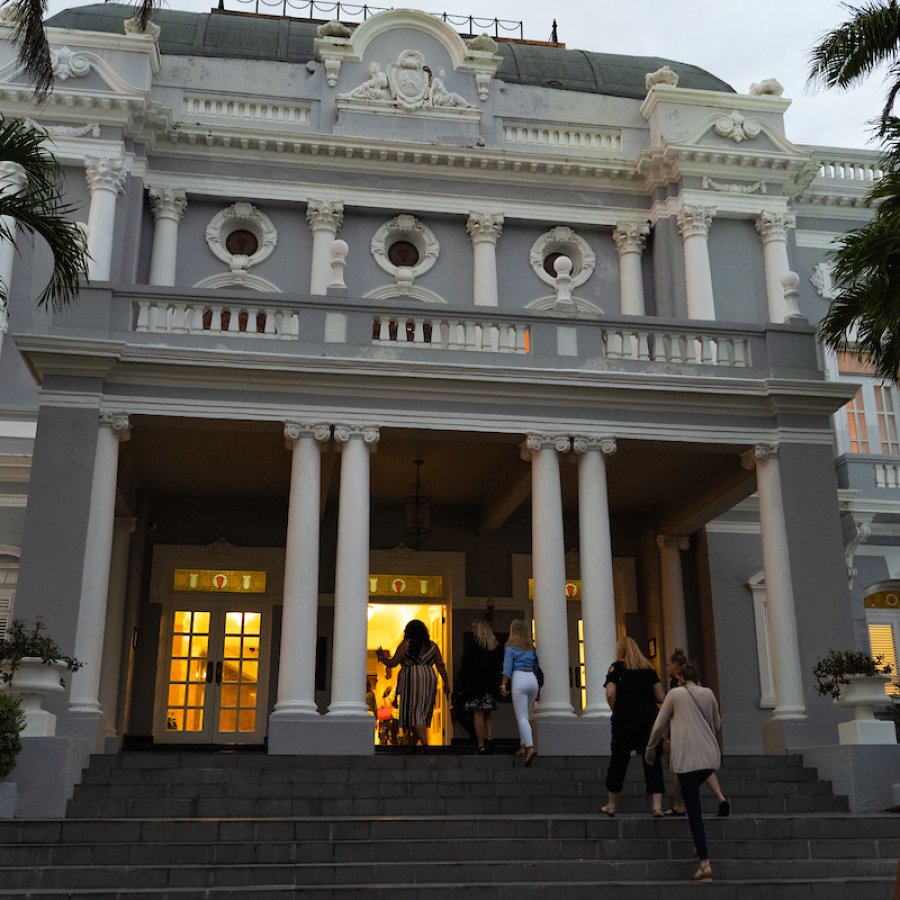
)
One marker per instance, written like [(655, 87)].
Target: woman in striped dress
[(418, 656)]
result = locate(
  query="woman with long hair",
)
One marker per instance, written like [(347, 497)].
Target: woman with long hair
[(418, 656), (518, 678), (691, 714), (479, 680), (678, 658), (633, 691)]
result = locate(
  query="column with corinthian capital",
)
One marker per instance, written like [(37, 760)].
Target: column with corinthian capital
[(484, 231), (168, 206), (773, 226), (296, 672), (84, 699), (106, 180), (548, 562), (630, 240), (12, 180), (598, 602), (674, 620), (325, 218), (693, 224), (351, 584), (781, 617)]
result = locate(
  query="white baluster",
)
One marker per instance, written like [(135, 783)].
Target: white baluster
[(269, 325), (233, 321), (659, 346), (470, 336), (643, 350), (143, 316), (418, 331), (675, 352), (707, 350)]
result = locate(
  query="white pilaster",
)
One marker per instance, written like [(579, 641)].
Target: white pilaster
[(484, 231), (106, 180), (296, 673), (773, 226), (782, 620), (674, 621), (12, 180), (693, 224), (92, 607), (598, 602), (325, 219), (549, 568), (168, 206), (630, 240), (115, 623), (351, 585)]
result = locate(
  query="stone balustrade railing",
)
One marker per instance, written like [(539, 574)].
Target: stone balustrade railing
[(235, 320), (676, 347), (887, 475), (451, 333)]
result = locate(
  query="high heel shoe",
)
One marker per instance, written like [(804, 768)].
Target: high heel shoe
[(530, 754), (704, 873)]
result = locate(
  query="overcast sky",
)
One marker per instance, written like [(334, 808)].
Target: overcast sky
[(737, 40)]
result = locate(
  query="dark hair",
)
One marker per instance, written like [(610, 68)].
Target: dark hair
[(417, 634), (690, 671), (678, 657)]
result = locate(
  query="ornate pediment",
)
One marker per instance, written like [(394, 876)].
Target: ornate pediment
[(408, 85)]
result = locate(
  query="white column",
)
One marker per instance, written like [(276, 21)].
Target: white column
[(693, 224), (773, 226), (351, 585), (548, 561), (598, 601), (484, 231), (113, 636), (89, 632), (325, 219), (782, 621), (12, 180), (106, 179), (674, 621), (168, 205), (297, 667), (630, 240)]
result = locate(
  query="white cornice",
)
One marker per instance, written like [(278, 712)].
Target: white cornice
[(817, 240), (13, 501), (129, 43), (15, 469), (666, 93)]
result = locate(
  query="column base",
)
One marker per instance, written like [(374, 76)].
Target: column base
[(295, 708), (331, 735), (573, 736), (783, 736), (85, 726)]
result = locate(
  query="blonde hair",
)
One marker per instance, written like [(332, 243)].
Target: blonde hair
[(629, 652), (484, 635), (519, 636)]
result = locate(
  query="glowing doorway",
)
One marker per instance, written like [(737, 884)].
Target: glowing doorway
[(386, 624)]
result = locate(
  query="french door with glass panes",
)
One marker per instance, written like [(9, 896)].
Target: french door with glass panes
[(213, 675)]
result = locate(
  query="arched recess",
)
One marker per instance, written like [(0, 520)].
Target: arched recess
[(239, 279)]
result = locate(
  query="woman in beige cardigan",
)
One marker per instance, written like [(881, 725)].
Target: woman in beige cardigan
[(691, 715)]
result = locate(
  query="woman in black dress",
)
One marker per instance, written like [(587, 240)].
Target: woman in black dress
[(633, 691), (479, 681)]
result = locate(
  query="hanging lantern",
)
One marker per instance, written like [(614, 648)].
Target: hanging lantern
[(418, 508)]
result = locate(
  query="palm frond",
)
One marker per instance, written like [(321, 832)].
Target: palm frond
[(144, 9), (34, 51)]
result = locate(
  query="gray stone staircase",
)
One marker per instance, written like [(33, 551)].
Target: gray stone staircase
[(243, 825)]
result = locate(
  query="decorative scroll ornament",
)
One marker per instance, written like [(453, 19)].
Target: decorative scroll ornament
[(737, 127), (105, 173), (92, 129), (774, 224), (167, 203), (369, 434), (822, 282), (758, 187), (770, 87), (118, 422), (325, 215), (664, 75), (695, 220), (484, 227), (69, 64), (293, 431), (630, 237), (606, 445), (407, 85), (533, 443), (760, 453)]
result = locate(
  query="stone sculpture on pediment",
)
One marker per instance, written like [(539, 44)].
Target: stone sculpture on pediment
[(407, 84)]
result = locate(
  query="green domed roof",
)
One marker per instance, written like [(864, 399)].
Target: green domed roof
[(285, 39)]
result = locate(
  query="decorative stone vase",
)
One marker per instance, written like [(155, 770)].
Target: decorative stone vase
[(865, 693), (33, 680)]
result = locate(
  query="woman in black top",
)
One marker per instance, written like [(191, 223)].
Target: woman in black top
[(479, 680), (633, 691)]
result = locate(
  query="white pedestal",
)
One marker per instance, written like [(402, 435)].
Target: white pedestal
[(866, 731)]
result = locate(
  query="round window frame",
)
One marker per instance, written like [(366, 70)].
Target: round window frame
[(564, 240), (408, 228), (241, 216)]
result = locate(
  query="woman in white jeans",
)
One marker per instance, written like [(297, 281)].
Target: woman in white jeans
[(519, 663)]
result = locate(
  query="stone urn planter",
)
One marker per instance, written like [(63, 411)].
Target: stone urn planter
[(865, 693), (32, 681)]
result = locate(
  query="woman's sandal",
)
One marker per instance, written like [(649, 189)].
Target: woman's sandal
[(704, 873), (608, 810), (671, 811), (530, 754), (658, 813)]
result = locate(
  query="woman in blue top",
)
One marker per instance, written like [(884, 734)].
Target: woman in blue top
[(519, 662)]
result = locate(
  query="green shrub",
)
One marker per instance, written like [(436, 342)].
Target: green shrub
[(12, 721), (831, 671), (24, 640)]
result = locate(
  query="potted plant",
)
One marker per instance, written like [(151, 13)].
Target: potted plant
[(855, 678), (31, 666)]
